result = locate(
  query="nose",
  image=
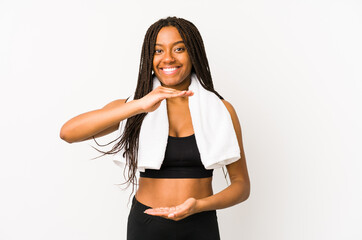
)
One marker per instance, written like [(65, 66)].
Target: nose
[(168, 57)]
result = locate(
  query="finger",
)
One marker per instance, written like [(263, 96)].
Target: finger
[(157, 211), (177, 216), (172, 90), (181, 211), (163, 211), (181, 94), (169, 91), (172, 215), (159, 214), (169, 215), (173, 95), (177, 213), (189, 93)]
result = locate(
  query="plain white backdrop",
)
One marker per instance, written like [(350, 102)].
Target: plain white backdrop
[(291, 69)]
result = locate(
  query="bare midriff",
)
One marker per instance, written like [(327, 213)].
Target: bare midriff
[(168, 192)]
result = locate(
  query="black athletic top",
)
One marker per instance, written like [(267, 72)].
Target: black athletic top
[(182, 160)]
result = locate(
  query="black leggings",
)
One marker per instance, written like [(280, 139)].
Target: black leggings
[(142, 226)]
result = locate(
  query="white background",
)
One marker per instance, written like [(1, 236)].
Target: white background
[(291, 69)]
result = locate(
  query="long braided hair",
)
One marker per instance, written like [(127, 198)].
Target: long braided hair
[(200, 66)]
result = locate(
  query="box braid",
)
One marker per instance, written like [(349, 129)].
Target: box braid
[(200, 66)]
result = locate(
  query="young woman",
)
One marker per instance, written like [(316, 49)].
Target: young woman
[(177, 204)]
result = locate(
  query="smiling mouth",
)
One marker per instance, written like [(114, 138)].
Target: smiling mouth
[(169, 70)]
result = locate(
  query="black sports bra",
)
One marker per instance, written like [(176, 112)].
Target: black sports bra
[(182, 160)]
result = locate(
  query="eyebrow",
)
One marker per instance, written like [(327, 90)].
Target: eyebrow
[(173, 43)]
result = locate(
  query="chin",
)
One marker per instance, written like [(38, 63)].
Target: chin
[(170, 81)]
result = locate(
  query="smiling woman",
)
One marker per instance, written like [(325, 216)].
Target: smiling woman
[(176, 199)]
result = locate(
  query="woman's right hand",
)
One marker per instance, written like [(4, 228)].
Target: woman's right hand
[(153, 99)]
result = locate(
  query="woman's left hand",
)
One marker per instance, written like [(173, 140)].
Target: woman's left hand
[(176, 213)]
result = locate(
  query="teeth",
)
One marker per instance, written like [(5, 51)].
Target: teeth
[(169, 69)]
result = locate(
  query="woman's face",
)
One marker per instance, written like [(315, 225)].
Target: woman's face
[(171, 62)]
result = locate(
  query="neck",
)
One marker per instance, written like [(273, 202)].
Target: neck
[(177, 100)]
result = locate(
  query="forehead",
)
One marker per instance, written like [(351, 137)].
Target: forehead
[(168, 35)]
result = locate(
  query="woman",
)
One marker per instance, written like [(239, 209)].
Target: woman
[(168, 204)]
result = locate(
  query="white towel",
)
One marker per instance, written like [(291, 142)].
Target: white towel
[(214, 132)]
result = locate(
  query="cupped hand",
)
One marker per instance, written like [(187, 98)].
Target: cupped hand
[(176, 213), (153, 99)]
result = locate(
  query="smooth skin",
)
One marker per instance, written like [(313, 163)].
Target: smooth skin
[(169, 198)]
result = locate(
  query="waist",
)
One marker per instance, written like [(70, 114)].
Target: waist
[(157, 192)]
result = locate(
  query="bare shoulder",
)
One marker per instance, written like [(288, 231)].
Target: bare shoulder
[(234, 118), (230, 108), (115, 103)]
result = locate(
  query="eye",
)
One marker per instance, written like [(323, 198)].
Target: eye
[(180, 49), (158, 51)]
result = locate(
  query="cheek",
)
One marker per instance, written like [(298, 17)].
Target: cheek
[(189, 64), (154, 64), (187, 60)]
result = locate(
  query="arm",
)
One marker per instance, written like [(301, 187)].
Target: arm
[(106, 120), (99, 122), (239, 189)]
